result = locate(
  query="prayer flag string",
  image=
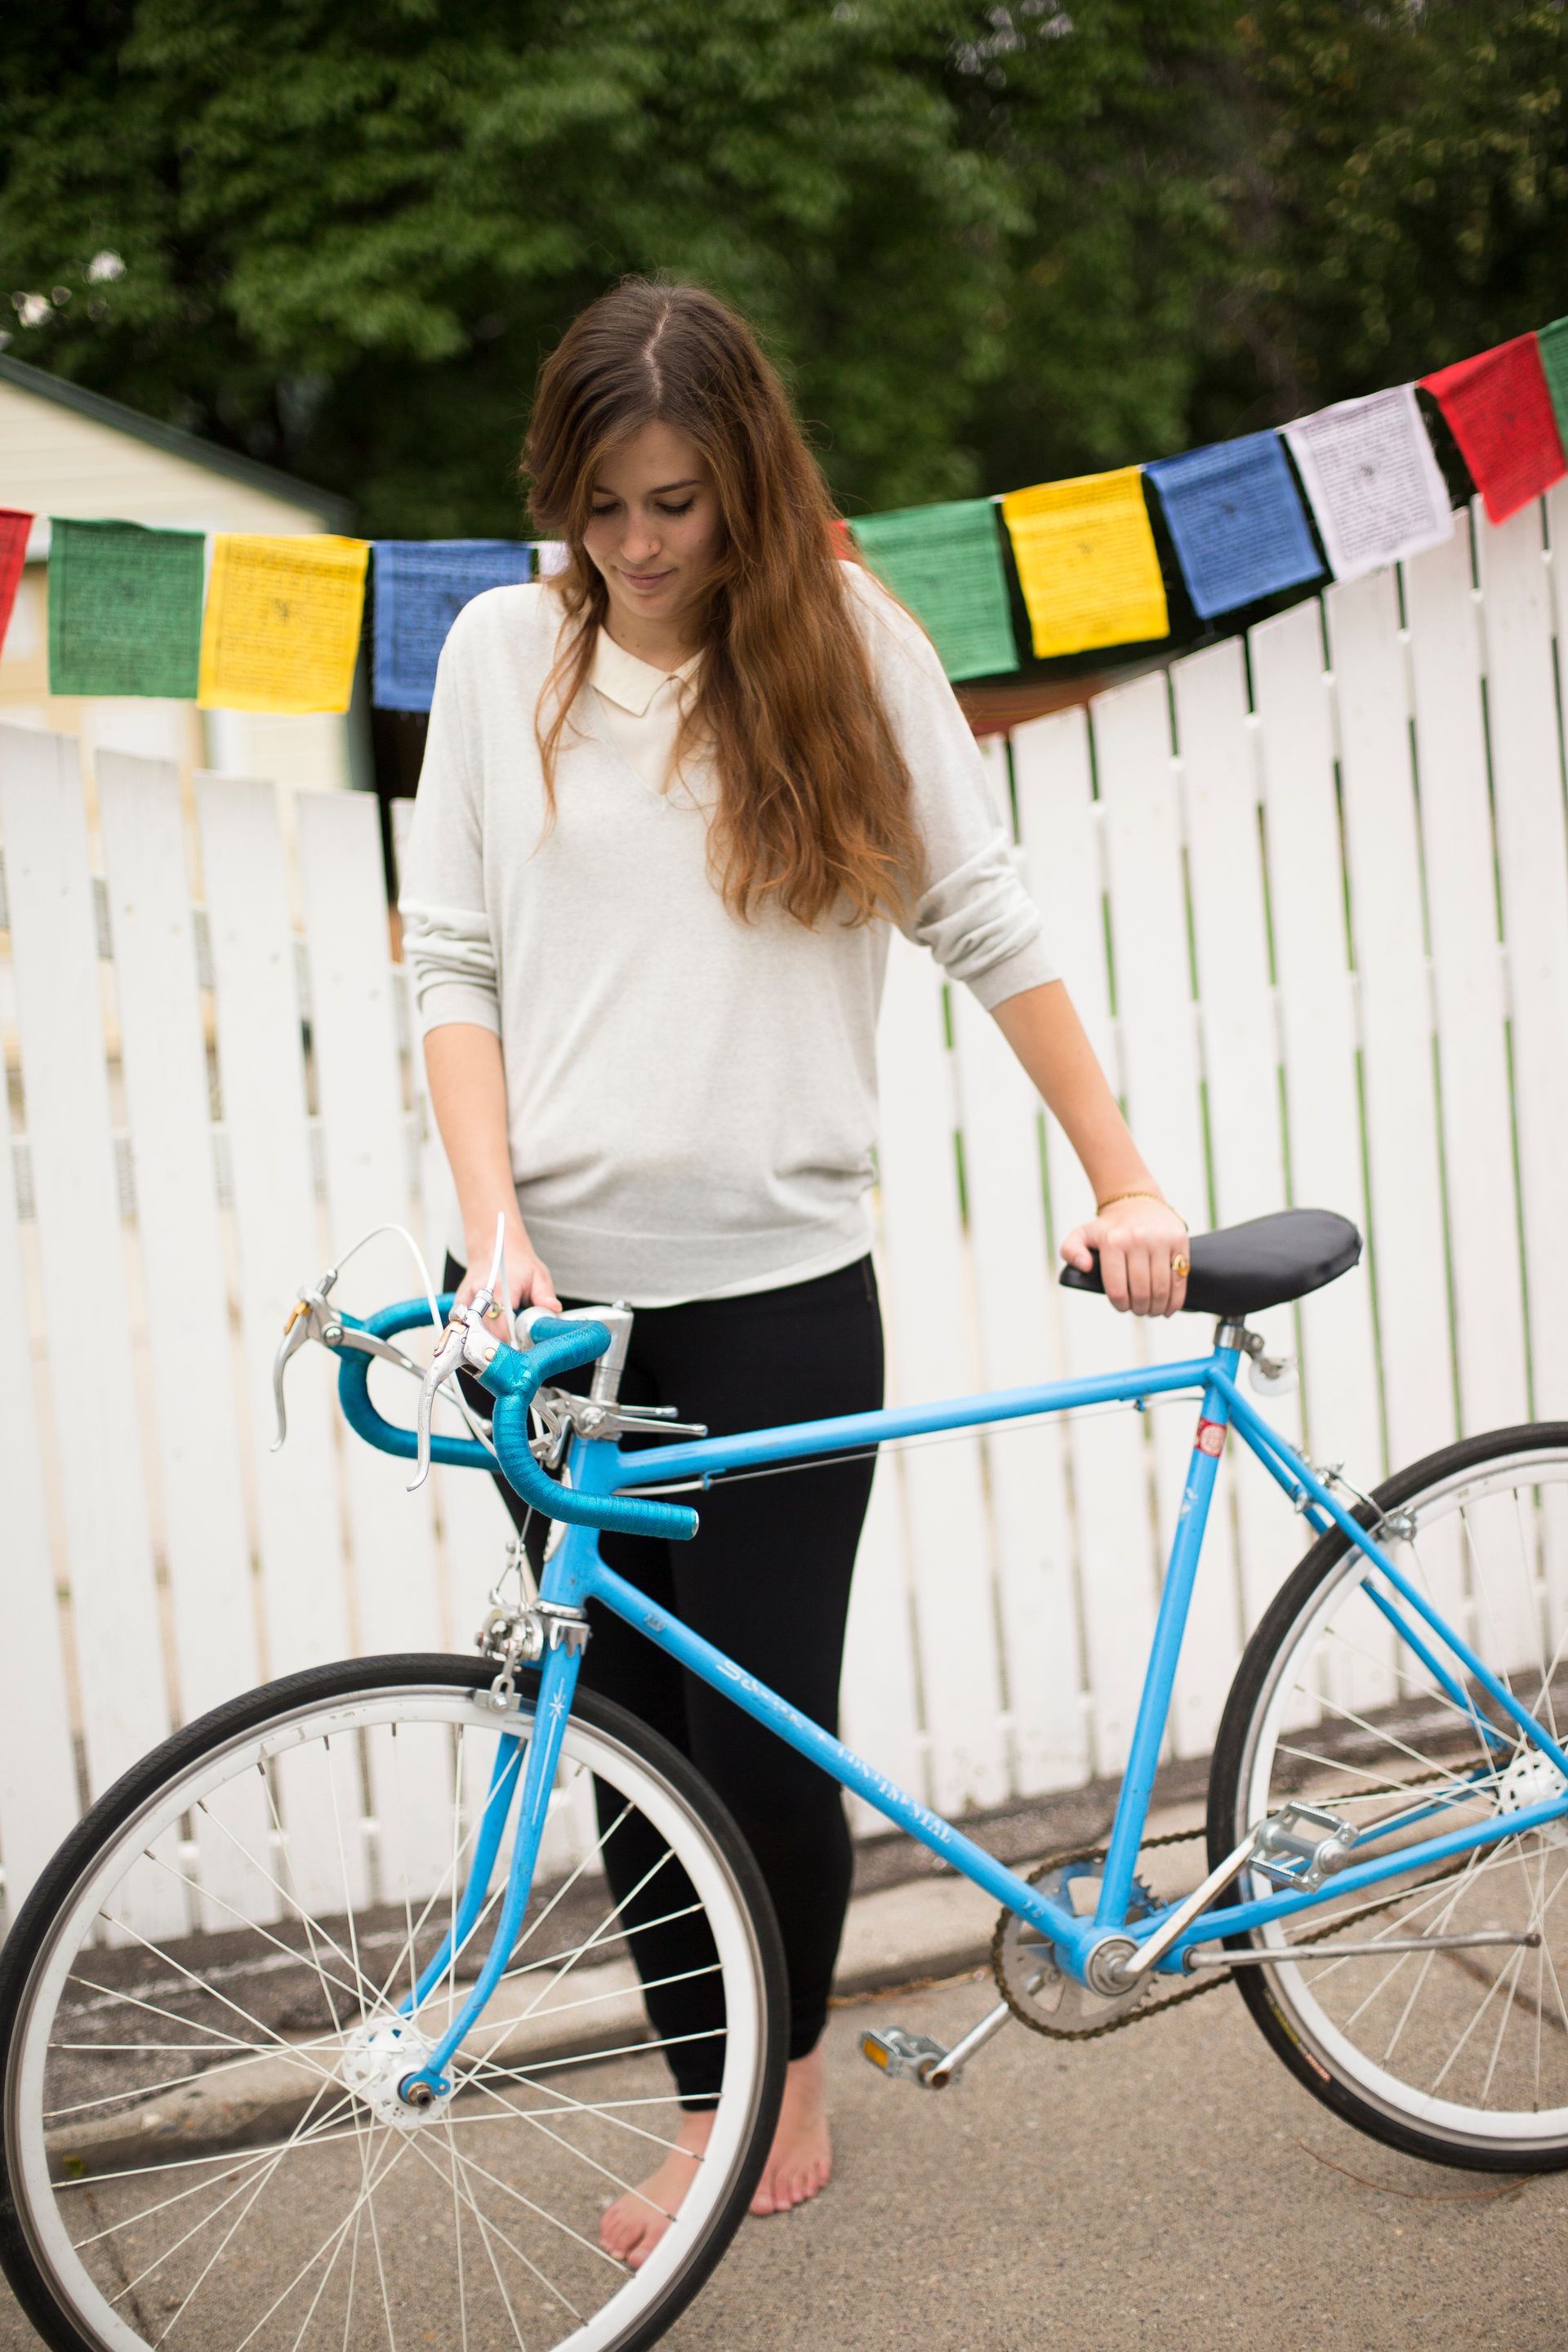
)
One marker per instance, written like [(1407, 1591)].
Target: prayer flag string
[(1357, 484)]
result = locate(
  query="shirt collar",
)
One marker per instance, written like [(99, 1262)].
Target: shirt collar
[(625, 680)]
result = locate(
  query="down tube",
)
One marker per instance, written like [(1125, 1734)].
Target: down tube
[(1154, 1704)]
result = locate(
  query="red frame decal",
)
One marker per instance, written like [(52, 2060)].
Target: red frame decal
[(1211, 1437)]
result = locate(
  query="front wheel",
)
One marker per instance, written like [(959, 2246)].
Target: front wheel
[(207, 2002), (1457, 2051)]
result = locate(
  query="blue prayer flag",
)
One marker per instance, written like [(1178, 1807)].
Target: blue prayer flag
[(1237, 521), (421, 586)]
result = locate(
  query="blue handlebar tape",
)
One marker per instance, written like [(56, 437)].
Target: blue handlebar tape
[(513, 1378), (354, 1390)]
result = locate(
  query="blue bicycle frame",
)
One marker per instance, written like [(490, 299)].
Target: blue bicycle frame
[(600, 1488)]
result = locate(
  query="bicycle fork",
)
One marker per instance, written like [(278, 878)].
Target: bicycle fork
[(536, 1772)]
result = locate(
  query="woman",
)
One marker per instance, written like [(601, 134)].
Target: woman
[(671, 800)]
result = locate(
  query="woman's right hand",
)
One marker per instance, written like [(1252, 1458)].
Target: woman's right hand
[(525, 1280)]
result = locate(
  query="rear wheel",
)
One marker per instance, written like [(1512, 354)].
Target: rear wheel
[(1455, 2053), (201, 2033)]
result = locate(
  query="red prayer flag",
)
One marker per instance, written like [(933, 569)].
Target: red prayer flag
[(1500, 410), (14, 526)]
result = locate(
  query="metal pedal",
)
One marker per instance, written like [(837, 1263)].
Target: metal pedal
[(918, 2059), (1286, 1859), (906, 2057)]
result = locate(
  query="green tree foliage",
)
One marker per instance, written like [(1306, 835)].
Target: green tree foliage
[(988, 243)]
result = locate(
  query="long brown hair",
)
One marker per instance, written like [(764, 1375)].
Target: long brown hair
[(815, 799)]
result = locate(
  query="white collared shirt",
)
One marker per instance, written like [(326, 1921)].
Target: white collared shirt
[(640, 706)]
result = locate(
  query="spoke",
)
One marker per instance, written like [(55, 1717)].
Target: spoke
[(197, 2075), (469, 2199), (191, 2292), (469, 2165), (1376, 1731), (212, 1993), (395, 2158), (402, 1856), (231, 2160), (184, 2163), (252, 1926), (457, 2235), (1377, 1786), (1484, 1589), (630, 2186), (567, 2105), (1515, 1964), (1427, 1688), (650, 2049), (575, 1951), (503, 2026)]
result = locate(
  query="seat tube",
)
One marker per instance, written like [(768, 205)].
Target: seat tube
[(1154, 1704)]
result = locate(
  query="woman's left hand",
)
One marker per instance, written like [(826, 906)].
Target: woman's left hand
[(1137, 1240)]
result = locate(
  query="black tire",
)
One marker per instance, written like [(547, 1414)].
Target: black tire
[(29, 1940), (1235, 1750)]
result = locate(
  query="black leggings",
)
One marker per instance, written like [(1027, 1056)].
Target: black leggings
[(767, 1580)]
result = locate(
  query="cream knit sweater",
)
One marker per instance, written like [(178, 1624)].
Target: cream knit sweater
[(691, 1099)]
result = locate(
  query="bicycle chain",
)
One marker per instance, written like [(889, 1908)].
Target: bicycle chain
[(1179, 1998)]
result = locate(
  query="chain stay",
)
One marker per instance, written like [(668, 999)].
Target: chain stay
[(1185, 1993)]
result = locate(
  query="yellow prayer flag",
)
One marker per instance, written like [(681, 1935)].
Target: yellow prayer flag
[(1087, 562), (283, 625)]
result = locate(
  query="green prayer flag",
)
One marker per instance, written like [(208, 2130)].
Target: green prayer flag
[(945, 564), (1552, 344), (125, 609)]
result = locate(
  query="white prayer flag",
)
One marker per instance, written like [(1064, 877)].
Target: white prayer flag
[(1376, 490)]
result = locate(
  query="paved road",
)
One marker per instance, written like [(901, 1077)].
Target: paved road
[(1171, 2183)]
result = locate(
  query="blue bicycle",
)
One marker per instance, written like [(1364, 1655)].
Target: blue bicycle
[(310, 2036)]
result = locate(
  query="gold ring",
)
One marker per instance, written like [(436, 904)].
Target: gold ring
[(1181, 1266)]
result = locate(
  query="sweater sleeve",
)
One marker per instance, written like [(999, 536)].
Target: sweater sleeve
[(974, 914), (447, 932)]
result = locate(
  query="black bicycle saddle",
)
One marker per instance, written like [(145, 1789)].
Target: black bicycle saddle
[(1239, 1269)]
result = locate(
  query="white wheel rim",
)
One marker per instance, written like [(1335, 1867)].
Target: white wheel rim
[(41, 2209), (1319, 2035)]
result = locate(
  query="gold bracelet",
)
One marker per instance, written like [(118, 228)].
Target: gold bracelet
[(1101, 1206)]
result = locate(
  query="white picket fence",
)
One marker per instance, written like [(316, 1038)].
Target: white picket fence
[(1310, 896)]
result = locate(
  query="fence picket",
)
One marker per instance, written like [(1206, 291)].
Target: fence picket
[(262, 1080), (1117, 1577), (1340, 1395), (926, 1317), (1026, 1468), (1139, 793), (1395, 998), (37, 1771), (1230, 940), (81, 1240), (1460, 855), (164, 1062), (1533, 866), (367, 1139)]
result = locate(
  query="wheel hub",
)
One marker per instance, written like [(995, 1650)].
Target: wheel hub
[(377, 2061), (1533, 1779)]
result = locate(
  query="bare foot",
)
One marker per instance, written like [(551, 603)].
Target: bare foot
[(800, 2160), (632, 2227)]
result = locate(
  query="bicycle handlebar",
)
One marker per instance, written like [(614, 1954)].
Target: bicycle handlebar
[(513, 1377)]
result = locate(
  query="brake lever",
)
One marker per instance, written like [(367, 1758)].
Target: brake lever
[(465, 1342), (302, 1325)]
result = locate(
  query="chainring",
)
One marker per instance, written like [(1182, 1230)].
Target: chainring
[(1041, 1995)]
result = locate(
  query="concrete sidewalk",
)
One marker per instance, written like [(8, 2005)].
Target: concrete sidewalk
[(1170, 2184)]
